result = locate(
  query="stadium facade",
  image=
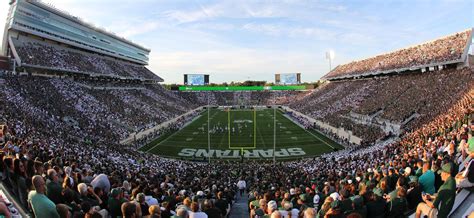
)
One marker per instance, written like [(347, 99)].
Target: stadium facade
[(37, 21)]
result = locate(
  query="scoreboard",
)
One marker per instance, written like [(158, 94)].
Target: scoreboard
[(196, 79), (288, 78)]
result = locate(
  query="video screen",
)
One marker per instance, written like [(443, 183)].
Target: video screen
[(289, 78), (194, 79)]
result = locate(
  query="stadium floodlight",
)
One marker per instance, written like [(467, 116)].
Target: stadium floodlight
[(330, 56)]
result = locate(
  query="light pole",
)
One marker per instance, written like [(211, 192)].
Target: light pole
[(330, 57)]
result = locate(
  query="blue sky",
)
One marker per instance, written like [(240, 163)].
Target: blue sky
[(239, 40)]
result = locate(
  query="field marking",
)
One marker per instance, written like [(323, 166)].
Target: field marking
[(306, 139), (319, 138), (167, 138), (254, 135), (254, 128), (262, 139), (307, 131)]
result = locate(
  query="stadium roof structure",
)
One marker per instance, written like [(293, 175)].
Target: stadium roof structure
[(34, 22), (80, 21), (43, 20)]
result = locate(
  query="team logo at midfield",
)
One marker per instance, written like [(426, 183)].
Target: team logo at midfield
[(255, 153)]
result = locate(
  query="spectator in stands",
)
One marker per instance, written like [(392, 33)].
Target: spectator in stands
[(54, 189), (241, 184), (63, 211), (41, 205), (19, 179), (396, 207), (87, 195), (181, 213), (195, 212), (129, 210), (427, 179), (440, 205), (115, 202), (221, 203), (413, 193), (210, 210), (154, 211), (376, 206), (465, 178)]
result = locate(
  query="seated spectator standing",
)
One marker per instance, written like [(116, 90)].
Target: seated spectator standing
[(440, 204), (41, 205)]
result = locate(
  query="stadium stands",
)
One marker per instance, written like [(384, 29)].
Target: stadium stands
[(34, 53), (446, 50), (393, 99)]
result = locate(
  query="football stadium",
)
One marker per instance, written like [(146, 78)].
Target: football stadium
[(281, 109)]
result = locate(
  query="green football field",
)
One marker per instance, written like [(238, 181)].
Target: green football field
[(247, 133)]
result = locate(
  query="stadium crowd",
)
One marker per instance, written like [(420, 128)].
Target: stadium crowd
[(61, 157), (40, 149), (442, 50), (394, 98), (48, 55)]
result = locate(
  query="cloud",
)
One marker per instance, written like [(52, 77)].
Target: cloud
[(139, 28), (187, 16), (235, 64), (290, 31)]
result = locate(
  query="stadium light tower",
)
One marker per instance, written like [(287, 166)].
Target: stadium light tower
[(330, 56)]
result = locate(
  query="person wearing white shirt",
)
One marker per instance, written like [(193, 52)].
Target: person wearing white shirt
[(241, 184), (195, 213)]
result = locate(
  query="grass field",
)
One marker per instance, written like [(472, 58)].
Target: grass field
[(236, 133)]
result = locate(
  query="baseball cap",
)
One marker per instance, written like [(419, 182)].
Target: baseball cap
[(292, 191), (447, 168), (413, 179), (272, 205), (335, 196), (378, 192)]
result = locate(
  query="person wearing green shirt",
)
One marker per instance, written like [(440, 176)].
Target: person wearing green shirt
[(41, 205), (470, 142), (441, 204), (419, 171), (115, 202), (427, 179)]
